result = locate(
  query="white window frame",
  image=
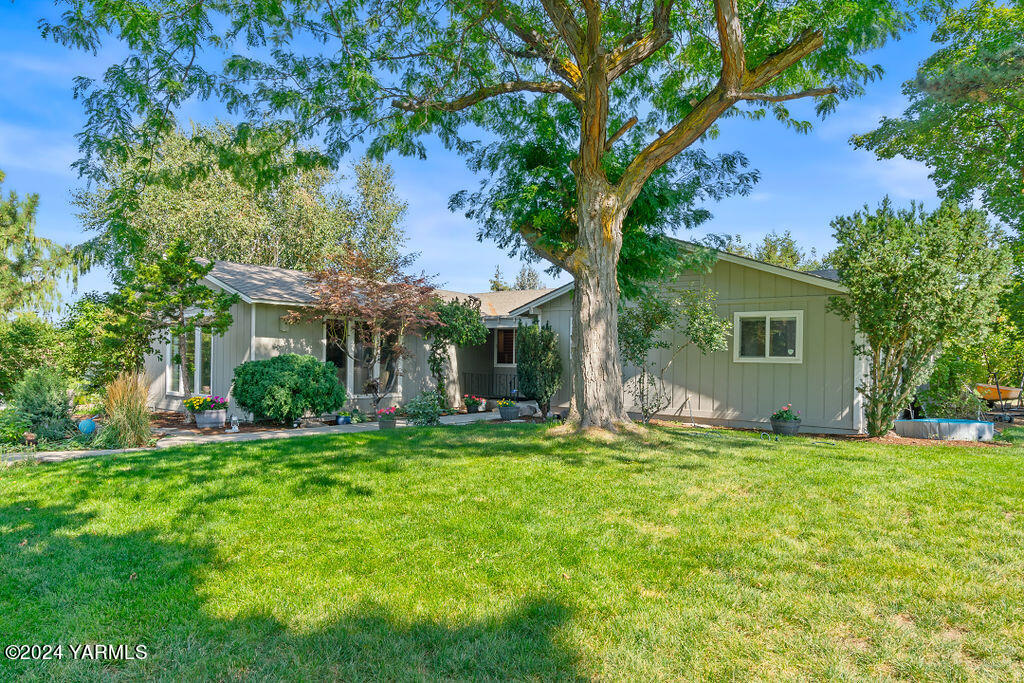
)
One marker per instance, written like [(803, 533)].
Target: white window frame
[(515, 348), (767, 316), (197, 372), (350, 351)]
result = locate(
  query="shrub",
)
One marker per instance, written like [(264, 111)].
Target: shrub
[(13, 425), (286, 387), (127, 415), (26, 342), (539, 366), (425, 409), (43, 398)]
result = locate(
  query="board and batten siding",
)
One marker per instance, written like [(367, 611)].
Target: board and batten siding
[(229, 350), (716, 389)]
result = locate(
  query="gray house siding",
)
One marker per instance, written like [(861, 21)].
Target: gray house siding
[(717, 389), (258, 332)]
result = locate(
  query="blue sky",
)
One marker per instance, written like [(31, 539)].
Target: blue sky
[(805, 179)]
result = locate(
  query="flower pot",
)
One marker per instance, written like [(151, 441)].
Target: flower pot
[(211, 419), (786, 427), (386, 423), (345, 420), (509, 412), (473, 409)]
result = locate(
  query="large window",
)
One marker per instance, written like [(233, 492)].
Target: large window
[(504, 347), (198, 366), (768, 337), (337, 343)]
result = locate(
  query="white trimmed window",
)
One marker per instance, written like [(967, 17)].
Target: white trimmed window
[(505, 347), (199, 364), (768, 337)]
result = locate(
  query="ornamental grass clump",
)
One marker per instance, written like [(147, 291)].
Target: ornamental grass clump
[(127, 414)]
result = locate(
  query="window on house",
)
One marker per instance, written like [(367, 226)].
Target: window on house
[(176, 379), (768, 337), (363, 360), (337, 340), (389, 364), (504, 347), (205, 361)]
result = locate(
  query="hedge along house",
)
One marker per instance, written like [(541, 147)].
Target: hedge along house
[(259, 331), (785, 347)]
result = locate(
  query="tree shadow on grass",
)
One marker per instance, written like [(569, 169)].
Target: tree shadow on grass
[(64, 583)]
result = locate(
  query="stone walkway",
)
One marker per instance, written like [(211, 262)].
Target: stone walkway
[(191, 438)]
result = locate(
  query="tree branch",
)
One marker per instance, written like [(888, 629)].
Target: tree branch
[(568, 28), (619, 133), (716, 102), (540, 44), (629, 54), (765, 97), (533, 237), (481, 94), (730, 39)]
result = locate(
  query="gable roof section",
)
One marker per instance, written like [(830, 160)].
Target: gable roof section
[(271, 285), (503, 303), (262, 284), (826, 278)]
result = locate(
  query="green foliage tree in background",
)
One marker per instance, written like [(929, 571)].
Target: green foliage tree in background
[(30, 266), (916, 280), (26, 342), (457, 323), (780, 249), (301, 222), (538, 364), (966, 113), (652, 326), (497, 282), (162, 298), (528, 278), (654, 76)]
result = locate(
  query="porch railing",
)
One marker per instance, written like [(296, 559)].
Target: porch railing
[(489, 384)]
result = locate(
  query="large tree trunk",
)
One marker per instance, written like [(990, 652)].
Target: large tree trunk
[(597, 386)]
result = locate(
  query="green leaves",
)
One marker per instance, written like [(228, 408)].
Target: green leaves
[(916, 280), (966, 113)]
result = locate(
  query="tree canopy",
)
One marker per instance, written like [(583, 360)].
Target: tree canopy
[(915, 280), (966, 113), (30, 266), (642, 80)]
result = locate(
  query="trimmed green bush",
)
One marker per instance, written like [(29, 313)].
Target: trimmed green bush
[(425, 409), (13, 425), (286, 387), (43, 398), (539, 368)]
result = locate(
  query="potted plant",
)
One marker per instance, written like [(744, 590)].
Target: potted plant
[(210, 412), (473, 403), (786, 421), (508, 409), (345, 419), (387, 417)]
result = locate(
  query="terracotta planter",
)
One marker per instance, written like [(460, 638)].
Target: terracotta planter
[(786, 427), (384, 423), (509, 412), (211, 419)]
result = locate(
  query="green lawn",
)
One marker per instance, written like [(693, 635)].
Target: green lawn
[(504, 552)]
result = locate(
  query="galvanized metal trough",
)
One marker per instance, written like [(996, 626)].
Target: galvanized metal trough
[(947, 430)]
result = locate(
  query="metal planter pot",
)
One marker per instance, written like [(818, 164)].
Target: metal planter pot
[(211, 419), (509, 412), (786, 427), (386, 424)]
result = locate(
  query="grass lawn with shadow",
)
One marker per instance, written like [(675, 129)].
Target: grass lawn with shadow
[(502, 551)]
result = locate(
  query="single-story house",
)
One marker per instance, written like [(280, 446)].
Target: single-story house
[(785, 347), (259, 330)]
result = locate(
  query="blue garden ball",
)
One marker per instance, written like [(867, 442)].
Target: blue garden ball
[(87, 426)]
